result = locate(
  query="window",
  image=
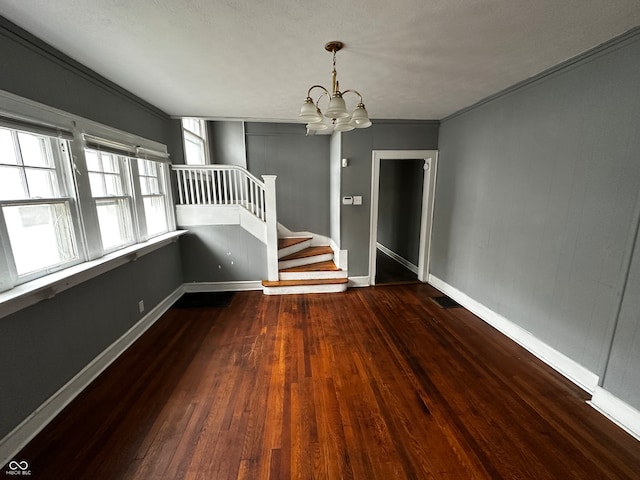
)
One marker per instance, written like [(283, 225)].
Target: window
[(64, 201), (36, 207), (110, 193), (194, 132), (153, 188)]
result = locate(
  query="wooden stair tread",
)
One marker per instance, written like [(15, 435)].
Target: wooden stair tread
[(309, 252), (285, 242), (327, 266), (293, 283)]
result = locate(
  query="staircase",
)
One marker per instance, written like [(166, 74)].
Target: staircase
[(297, 262), (305, 268)]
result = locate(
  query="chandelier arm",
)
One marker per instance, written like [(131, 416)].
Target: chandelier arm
[(353, 91), (318, 86)]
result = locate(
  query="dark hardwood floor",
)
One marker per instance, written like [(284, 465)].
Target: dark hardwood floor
[(375, 383)]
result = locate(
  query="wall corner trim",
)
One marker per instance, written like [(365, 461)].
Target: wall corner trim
[(18, 438), (619, 412), (581, 376)]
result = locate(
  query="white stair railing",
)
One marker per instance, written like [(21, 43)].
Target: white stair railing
[(220, 185), (229, 185)]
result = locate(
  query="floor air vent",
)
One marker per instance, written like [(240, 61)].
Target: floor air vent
[(445, 302)]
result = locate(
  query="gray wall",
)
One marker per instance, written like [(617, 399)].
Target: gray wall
[(534, 203), (43, 346), (33, 69), (400, 207), (357, 146), (302, 166), (622, 373), (222, 253), (227, 143)]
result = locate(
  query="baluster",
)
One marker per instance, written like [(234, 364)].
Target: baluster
[(216, 184), (235, 187), (191, 196), (199, 191), (208, 175), (253, 206), (225, 174), (179, 177), (243, 190)]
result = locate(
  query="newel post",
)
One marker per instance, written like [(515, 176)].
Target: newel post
[(271, 218)]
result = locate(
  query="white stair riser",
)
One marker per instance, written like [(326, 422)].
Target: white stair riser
[(283, 252), (298, 262), (313, 275), (297, 289)]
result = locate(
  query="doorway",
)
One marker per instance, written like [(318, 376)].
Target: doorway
[(401, 240)]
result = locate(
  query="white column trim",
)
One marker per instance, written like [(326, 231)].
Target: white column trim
[(428, 199)]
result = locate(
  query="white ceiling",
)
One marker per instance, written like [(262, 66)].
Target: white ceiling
[(243, 59)]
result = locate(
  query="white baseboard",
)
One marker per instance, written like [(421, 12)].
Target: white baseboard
[(201, 287), (619, 412), (361, 281), (34, 423), (575, 372), (402, 261)]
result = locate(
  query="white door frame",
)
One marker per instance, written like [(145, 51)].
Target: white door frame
[(428, 197)]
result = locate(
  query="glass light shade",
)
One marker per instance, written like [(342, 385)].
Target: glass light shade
[(309, 112), (317, 126), (336, 108), (319, 119), (343, 125), (360, 117)]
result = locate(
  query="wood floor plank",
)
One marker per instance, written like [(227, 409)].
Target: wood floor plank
[(375, 383)]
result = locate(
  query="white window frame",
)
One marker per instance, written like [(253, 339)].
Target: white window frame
[(57, 149), (199, 138), (162, 177)]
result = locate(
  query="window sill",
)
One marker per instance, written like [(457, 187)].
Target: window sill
[(49, 286)]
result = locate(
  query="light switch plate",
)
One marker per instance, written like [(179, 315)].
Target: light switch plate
[(357, 200)]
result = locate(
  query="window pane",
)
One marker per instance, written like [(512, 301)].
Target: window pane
[(154, 211), (12, 185), (41, 236), (154, 188), (98, 189), (34, 151), (115, 222), (114, 184), (93, 163), (41, 183), (193, 125), (110, 163), (194, 151), (7, 149), (146, 167), (144, 186)]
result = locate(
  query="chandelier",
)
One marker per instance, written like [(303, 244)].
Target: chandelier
[(342, 120)]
